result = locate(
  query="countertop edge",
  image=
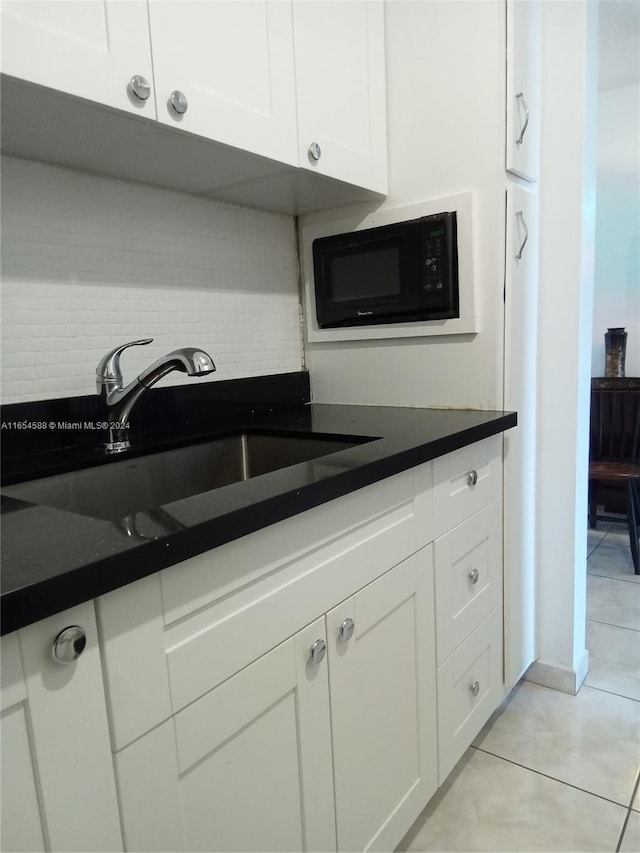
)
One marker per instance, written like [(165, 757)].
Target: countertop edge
[(29, 604)]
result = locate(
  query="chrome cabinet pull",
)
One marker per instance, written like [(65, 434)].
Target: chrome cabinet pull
[(474, 688), (69, 644), (346, 629), (139, 86), (315, 152), (472, 478), (179, 102), (520, 218), (473, 576), (520, 98), (318, 651)]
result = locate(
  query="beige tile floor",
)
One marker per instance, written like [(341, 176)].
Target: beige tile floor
[(549, 771)]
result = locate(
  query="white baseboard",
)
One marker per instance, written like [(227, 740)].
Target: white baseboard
[(557, 676)]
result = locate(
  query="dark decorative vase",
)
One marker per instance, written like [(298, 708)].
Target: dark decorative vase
[(615, 347)]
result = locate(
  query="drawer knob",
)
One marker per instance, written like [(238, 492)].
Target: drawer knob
[(346, 629), (474, 688), (318, 651), (315, 152), (69, 644), (139, 86), (472, 478), (179, 102), (473, 576)]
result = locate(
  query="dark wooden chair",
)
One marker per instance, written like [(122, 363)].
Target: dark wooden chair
[(614, 453)]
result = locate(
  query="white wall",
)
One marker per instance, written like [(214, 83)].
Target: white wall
[(89, 263), (617, 254), (445, 101)]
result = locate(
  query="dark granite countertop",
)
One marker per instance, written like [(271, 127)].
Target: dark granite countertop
[(54, 559)]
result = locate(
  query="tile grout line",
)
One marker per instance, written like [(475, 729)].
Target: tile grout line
[(615, 577), (595, 547), (552, 778), (610, 692), (625, 823), (595, 574), (613, 625)]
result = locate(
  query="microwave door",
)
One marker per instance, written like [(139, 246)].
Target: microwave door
[(368, 282)]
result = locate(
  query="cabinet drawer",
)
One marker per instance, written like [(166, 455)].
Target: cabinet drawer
[(172, 637), (468, 578), (466, 481), (234, 631), (469, 690)]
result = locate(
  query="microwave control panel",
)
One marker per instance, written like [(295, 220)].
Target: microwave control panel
[(436, 279)]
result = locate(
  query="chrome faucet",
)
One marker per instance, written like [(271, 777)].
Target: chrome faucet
[(116, 401)]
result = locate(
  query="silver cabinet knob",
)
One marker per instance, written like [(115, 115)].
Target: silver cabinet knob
[(474, 688), (315, 152), (473, 576), (346, 629), (472, 477), (69, 644), (318, 651), (179, 102), (139, 86)]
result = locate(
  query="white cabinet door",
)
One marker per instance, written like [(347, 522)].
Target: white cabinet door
[(381, 675), (233, 62), (58, 789), (521, 311), (246, 767), (523, 88), (91, 49), (21, 826), (341, 89)]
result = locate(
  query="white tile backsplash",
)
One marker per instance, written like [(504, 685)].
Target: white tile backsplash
[(90, 262)]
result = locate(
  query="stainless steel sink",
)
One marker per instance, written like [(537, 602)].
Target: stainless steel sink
[(122, 488)]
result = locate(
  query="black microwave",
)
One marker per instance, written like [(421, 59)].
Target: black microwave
[(395, 273)]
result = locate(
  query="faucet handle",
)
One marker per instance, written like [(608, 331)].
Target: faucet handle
[(108, 369)]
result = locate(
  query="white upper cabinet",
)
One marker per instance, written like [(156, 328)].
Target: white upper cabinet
[(523, 88), (341, 90), (230, 67), (91, 49), (272, 78)]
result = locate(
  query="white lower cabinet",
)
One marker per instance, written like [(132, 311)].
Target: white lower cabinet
[(246, 767), (468, 577), (58, 791), (469, 691), (468, 612), (290, 749), (306, 687), (382, 705)]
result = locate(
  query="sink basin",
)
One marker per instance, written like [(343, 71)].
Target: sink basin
[(122, 488)]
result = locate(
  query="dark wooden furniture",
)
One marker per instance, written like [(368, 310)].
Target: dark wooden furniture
[(614, 450)]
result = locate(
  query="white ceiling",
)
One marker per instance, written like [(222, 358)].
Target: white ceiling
[(619, 43)]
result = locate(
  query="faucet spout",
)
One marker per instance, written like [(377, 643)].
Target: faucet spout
[(117, 401), (189, 360)]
